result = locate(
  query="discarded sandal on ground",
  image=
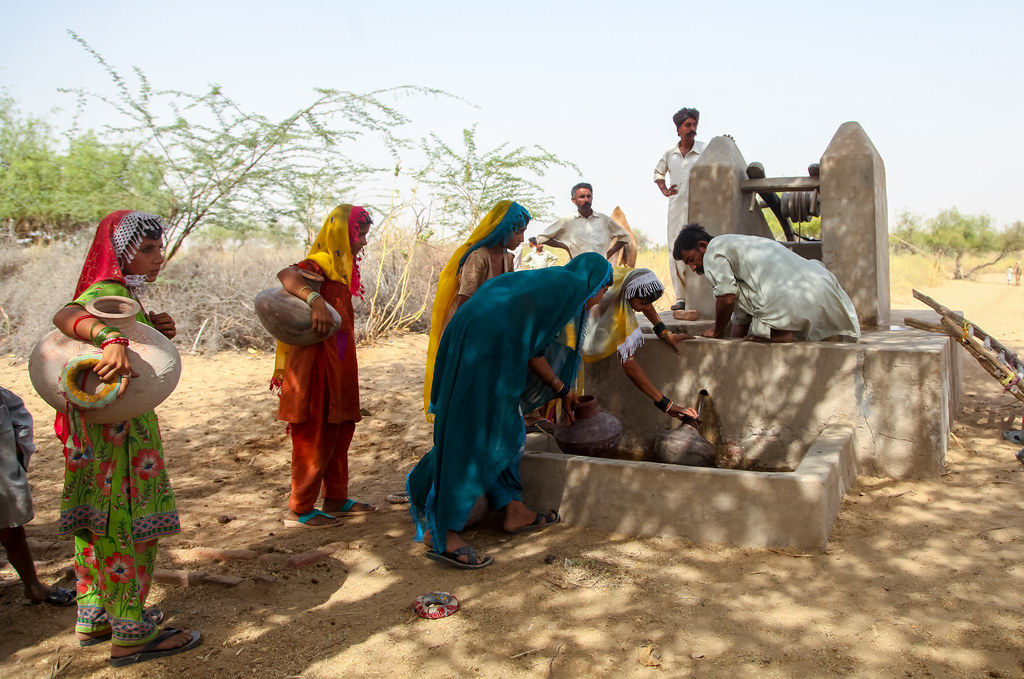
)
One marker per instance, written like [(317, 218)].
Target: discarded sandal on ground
[(346, 509), (540, 522), (303, 521), (1014, 436), (452, 558), (58, 597), (150, 651), (156, 616)]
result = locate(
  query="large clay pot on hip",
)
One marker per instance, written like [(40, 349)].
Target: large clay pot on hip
[(57, 357), (288, 318), (594, 433)]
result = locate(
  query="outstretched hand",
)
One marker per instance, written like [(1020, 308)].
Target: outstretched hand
[(686, 415)]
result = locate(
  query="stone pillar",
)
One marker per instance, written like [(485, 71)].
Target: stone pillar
[(719, 205), (854, 222)]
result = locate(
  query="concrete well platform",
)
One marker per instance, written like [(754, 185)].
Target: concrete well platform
[(896, 388), (764, 509)]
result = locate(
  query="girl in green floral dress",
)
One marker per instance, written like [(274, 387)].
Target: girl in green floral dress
[(117, 499)]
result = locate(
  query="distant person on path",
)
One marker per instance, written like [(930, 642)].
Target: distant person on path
[(537, 257), (676, 164), (117, 499), (484, 255), (510, 348), (585, 231), (765, 290), (319, 383), (16, 447), (1017, 272), (1009, 275)]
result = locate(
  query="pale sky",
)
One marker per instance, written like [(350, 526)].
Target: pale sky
[(593, 83)]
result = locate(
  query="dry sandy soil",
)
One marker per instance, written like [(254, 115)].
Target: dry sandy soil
[(920, 578)]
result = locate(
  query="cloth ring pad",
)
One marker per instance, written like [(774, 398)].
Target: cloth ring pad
[(72, 379), (434, 605)]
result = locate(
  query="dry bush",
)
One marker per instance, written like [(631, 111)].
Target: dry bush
[(35, 282), (209, 292)]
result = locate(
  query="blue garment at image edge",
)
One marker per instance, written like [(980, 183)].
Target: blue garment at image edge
[(482, 378)]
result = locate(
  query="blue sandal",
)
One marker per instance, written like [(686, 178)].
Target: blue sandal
[(346, 509), (303, 521)]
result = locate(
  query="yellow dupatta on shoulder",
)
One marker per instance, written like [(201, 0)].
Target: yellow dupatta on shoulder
[(612, 325), (448, 288)]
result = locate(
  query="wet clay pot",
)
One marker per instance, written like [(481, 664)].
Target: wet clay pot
[(60, 367), (685, 446), (594, 433), (289, 319)]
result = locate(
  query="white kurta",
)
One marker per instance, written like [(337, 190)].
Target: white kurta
[(776, 288), (595, 233), (674, 168)]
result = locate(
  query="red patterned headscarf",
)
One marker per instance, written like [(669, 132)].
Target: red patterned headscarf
[(117, 239)]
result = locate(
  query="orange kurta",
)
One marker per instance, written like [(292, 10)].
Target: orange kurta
[(332, 362)]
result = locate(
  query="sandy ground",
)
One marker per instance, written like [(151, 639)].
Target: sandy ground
[(920, 578)]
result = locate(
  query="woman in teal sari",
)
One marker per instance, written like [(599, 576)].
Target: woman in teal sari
[(512, 347)]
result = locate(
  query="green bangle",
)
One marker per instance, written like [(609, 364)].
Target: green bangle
[(658, 327), (312, 297)]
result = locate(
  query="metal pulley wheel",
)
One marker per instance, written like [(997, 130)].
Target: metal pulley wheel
[(800, 206)]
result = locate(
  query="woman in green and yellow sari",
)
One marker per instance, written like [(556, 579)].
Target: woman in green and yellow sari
[(117, 500)]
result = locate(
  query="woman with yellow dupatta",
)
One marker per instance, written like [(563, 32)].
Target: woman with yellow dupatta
[(484, 255), (612, 328), (319, 383)]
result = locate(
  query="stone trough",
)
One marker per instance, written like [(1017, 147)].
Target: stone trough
[(819, 412)]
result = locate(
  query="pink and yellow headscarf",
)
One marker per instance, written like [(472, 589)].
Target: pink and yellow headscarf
[(332, 252)]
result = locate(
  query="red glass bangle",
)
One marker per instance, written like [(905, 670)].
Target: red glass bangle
[(74, 328)]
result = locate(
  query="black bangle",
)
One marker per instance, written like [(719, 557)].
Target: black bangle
[(561, 392), (664, 404), (658, 327)]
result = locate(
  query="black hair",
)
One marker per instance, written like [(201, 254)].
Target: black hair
[(152, 227), (680, 116), (688, 238), (581, 185), (533, 240), (650, 297)]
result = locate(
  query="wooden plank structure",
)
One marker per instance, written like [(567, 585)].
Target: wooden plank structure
[(996, 359)]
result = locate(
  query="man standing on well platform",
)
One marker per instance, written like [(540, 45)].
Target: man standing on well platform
[(586, 231), (676, 163)]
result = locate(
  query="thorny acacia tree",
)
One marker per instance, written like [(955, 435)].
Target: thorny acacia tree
[(470, 181), (224, 164)]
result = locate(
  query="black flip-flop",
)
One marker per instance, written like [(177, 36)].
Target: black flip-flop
[(59, 597), (150, 651), (452, 558), (550, 518), (1014, 436)]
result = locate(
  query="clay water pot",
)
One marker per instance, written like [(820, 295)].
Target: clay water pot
[(289, 319), (594, 433), (684, 446), (60, 366)]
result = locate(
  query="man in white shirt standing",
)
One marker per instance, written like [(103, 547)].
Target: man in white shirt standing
[(537, 257), (676, 163), (586, 231)]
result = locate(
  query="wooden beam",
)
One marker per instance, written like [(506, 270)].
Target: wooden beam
[(775, 184)]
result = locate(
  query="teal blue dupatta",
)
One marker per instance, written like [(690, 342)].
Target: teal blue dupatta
[(481, 377)]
